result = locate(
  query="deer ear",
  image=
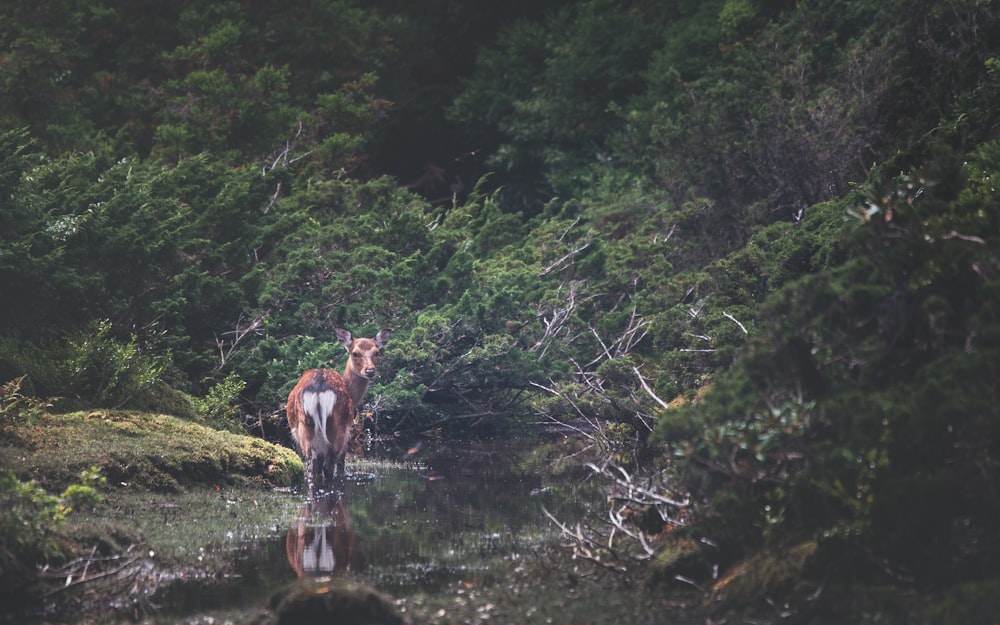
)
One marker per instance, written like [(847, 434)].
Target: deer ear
[(383, 337), (344, 337)]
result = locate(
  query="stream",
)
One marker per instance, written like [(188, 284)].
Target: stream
[(452, 532)]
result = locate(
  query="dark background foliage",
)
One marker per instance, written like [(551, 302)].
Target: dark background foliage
[(779, 216)]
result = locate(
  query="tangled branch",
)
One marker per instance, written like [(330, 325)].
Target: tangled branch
[(642, 510)]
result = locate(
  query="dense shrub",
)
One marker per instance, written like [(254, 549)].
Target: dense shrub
[(789, 203)]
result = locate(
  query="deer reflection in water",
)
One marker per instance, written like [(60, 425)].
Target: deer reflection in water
[(321, 543)]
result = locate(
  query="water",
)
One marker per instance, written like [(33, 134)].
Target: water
[(446, 519), (456, 533)]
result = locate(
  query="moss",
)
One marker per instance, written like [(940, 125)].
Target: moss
[(162, 398), (767, 573), (143, 450)]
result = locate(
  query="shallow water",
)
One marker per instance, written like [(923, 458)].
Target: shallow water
[(456, 533)]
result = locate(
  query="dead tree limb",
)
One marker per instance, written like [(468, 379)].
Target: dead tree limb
[(648, 390)]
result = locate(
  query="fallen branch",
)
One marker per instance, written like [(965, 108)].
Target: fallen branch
[(632, 489), (130, 567), (571, 403), (965, 237), (584, 547)]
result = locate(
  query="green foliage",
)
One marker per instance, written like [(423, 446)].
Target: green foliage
[(553, 112), (736, 16), (90, 367), (894, 354), (84, 494), (101, 371), (16, 408), (219, 406), (776, 121), (29, 520), (192, 197)]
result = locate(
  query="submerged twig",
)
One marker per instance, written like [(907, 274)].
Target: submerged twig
[(583, 547)]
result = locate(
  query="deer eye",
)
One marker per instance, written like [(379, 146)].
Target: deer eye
[(356, 354)]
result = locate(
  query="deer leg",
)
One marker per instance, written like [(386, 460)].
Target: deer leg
[(323, 469), (311, 475), (316, 473)]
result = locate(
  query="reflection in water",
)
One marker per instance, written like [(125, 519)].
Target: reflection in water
[(458, 512), (322, 541), (449, 514), (457, 528)]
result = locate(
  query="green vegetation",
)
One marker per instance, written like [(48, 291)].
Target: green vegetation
[(144, 451), (108, 465), (779, 219)]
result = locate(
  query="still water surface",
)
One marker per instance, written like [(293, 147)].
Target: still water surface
[(455, 534)]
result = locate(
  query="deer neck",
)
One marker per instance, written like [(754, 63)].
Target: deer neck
[(357, 386)]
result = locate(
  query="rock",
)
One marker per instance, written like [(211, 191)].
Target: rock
[(335, 601)]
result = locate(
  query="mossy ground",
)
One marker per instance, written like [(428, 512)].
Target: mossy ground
[(142, 451), (179, 497)]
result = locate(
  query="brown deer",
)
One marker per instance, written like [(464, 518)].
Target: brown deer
[(321, 542), (320, 408)]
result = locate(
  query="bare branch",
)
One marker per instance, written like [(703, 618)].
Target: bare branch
[(560, 316), (563, 397), (667, 236), (562, 260), (568, 228), (648, 390), (603, 346), (733, 319), (635, 492), (965, 237), (274, 198), (583, 547), (240, 333)]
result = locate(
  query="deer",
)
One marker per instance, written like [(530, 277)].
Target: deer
[(321, 543), (320, 408)]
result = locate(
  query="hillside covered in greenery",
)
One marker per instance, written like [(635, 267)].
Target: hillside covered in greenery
[(756, 242)]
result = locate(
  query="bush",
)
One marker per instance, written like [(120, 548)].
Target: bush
[(29, 522), (92, 368), (107, 372), (219, 406)]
